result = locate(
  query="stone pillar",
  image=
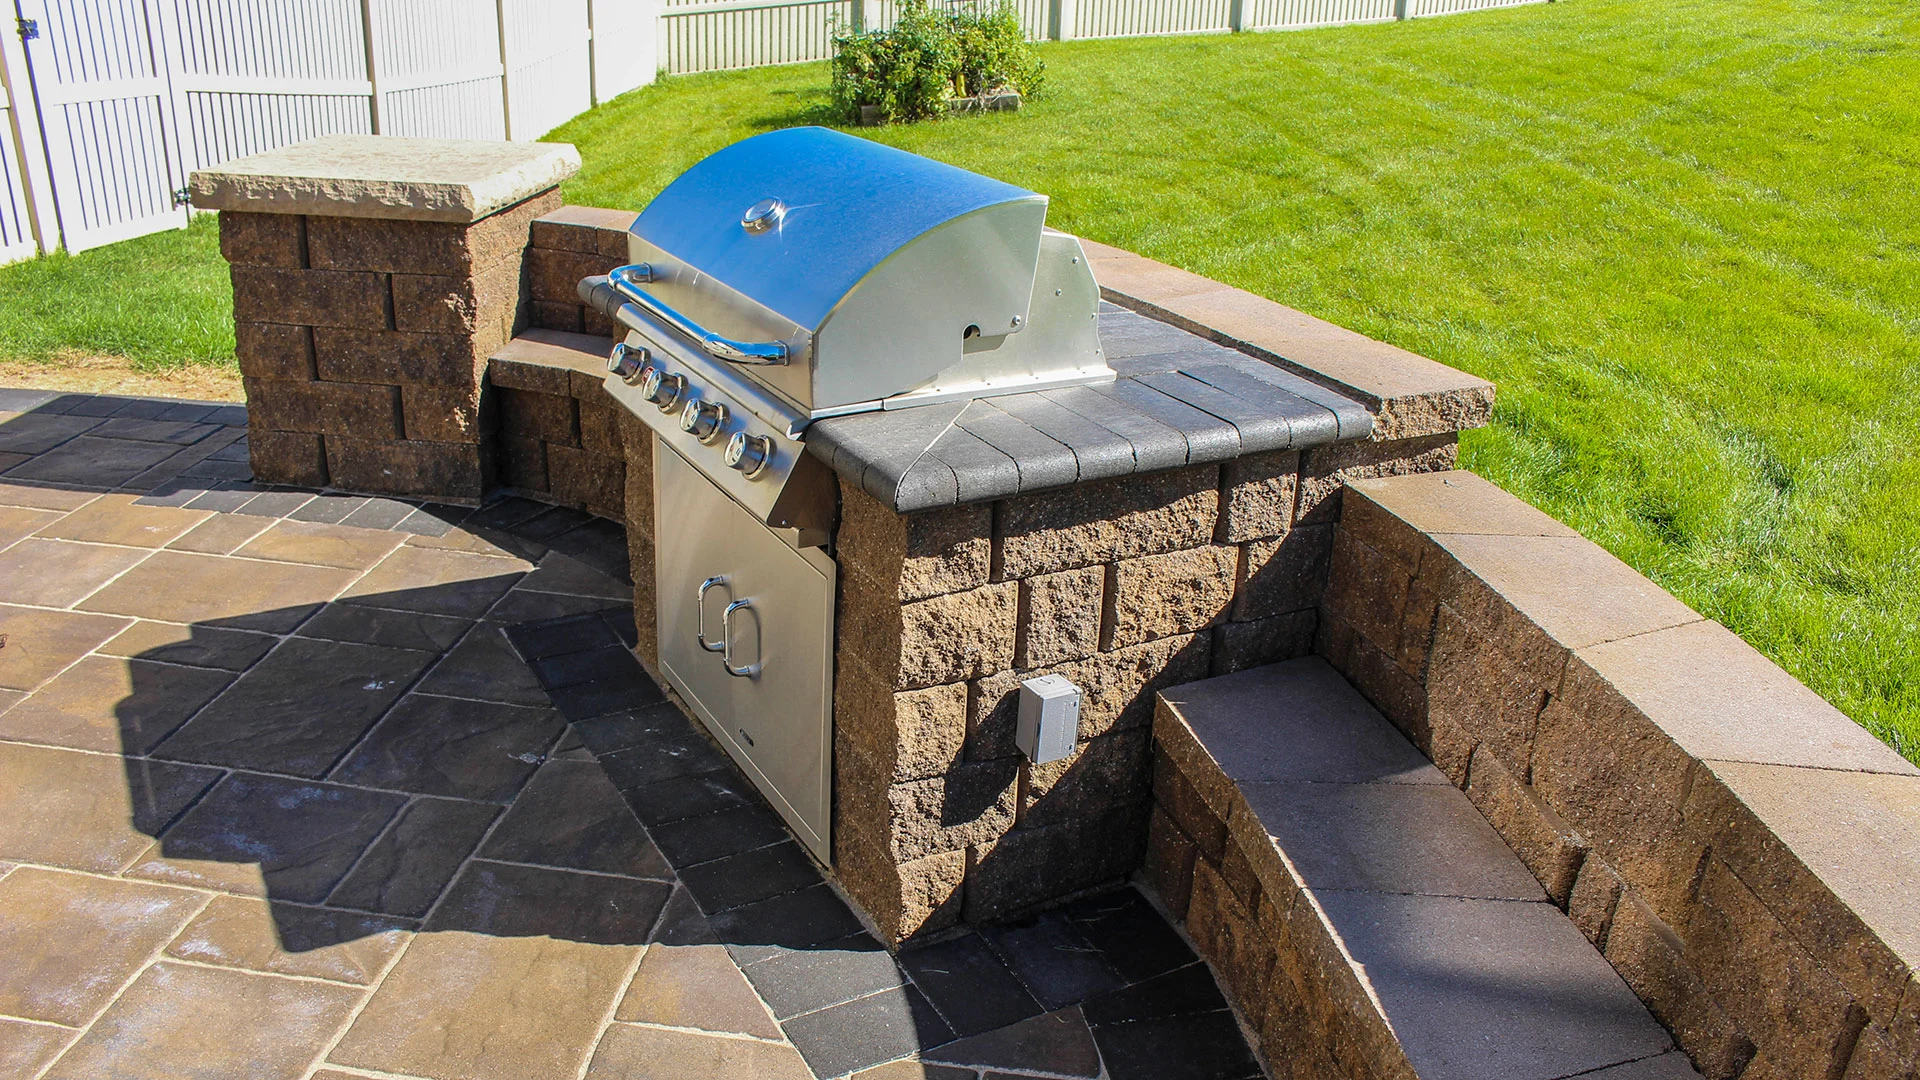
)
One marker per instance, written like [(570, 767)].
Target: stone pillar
[(372, 278)]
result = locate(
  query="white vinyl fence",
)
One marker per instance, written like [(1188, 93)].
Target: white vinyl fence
[(107, 105), (708, 35)]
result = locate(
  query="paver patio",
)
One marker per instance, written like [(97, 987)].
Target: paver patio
[(305, 785)]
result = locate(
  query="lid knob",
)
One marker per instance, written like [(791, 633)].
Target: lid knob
[(763, 215)]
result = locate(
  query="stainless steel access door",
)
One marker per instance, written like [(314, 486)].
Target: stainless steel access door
[(746, 637)]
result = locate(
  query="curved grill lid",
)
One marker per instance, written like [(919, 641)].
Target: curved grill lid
[(850, 203), (842, 275)]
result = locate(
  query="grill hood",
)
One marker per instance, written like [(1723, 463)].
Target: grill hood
[(843, 275)]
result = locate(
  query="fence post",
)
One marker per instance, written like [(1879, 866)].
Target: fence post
[(1401, 9), (506, 72), (375, 108), (857, 15), (1237, 15), (23, 114), (1061, 15)]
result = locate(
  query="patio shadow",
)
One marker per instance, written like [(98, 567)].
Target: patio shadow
[(477, 756)]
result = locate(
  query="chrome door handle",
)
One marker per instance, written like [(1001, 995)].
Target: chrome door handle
[(626, 280), (700, 602), (726, 642)]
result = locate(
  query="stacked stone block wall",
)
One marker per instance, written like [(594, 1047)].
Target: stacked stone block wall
[(363, 343), (1741, 852), (559, 435), (637, 439), (1216, 870), (1124, 587), (571, 243)]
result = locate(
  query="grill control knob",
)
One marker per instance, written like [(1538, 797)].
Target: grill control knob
[(661, 388), (630, 362), (749, 453), (703, 419)]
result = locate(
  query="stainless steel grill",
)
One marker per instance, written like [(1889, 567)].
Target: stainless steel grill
[(805, 273), (793, 276)]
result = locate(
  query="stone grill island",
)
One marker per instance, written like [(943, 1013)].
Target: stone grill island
[(1361, 722)]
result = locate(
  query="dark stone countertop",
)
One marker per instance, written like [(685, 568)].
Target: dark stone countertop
[(1179, 399)]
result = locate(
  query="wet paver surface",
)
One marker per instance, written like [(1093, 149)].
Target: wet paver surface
[(307, 785)]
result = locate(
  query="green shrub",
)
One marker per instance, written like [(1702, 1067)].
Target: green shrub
[(929, 57)]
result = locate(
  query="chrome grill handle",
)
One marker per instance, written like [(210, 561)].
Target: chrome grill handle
[(726, 642), (626, 280), (700, 602)]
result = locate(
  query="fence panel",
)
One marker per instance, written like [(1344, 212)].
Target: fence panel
[(252, 75), (549, 64), (626, 49), (1142, 18), (100, 85), (437, 70), (1422, 8), (16, 227), (1303, 14), (717, 36)]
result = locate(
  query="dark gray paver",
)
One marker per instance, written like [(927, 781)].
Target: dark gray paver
[(1155, 445), (970, 985), (867, 1031), (1040, 461), (1056, 1042), (1055, 961), (1178, 399), (508, 900), (412, 863), (1259, 425), (794, 982), (1207, 1046)]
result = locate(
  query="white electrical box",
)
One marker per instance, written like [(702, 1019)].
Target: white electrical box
[(1049, 718)]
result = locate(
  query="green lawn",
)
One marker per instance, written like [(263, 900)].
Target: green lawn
[(161, 301), (1681, 235)]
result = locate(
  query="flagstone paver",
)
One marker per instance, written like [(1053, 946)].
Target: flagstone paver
[(312, 786)]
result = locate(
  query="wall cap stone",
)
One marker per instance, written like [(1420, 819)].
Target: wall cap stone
[(1408, 394), (384, 176), (1856, 833), (591, 217), (545, 361)]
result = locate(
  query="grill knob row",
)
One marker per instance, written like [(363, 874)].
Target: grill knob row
[(705, 420)]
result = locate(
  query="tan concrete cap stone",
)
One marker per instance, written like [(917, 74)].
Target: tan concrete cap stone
[(1569, 586), (1720, 700), (1408, 394), (549, 349), (1456, 501), (1859, 833), (384, 176)]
